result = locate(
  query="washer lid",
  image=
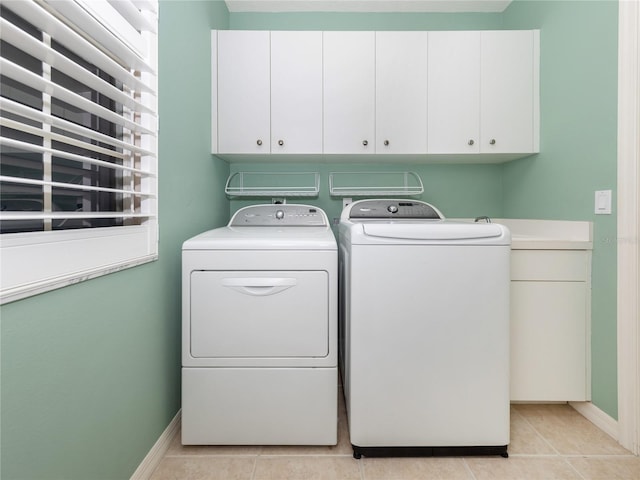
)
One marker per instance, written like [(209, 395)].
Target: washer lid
[(432, 230), (400, 222)]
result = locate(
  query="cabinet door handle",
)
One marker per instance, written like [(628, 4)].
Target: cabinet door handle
[(365, 143), (492, 142), (280, 142), (386, 143), (470, 142), (259, 142)]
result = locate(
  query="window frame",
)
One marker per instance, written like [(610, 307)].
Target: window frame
[(36, 262)]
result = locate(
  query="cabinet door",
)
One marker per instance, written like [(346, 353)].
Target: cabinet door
[(243, 92), (507, 80), (349, 92), (548, 341), (296, 92), (401, 92), (454, 92)]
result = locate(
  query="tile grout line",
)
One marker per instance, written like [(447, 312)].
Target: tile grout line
[(361, 468), (571, 461), (468, 467), (558, 454), (574, 455), (544, 439), (308, 455), (574, 469), (258, 455), (255, 466), (211, 455), (602, 456), (535, 455)]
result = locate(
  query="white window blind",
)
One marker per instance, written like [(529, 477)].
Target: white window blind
[(78, 140)]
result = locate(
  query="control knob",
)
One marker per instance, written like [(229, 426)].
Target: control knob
[(279, 214), (392, 209)]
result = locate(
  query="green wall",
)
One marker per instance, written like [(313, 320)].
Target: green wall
[(578, 139), (458, 190), (578, 156), (365, 21), (91, 372)]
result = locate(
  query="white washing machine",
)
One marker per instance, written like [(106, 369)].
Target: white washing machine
[(259, 335), (424, 317)]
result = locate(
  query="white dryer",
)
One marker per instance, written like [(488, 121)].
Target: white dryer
[(259, 335), (424, 319)]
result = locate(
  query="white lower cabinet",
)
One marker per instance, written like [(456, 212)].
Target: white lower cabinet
[(550, 311)]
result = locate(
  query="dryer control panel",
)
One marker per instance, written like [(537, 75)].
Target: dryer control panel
[(383, 208), (279, 215)]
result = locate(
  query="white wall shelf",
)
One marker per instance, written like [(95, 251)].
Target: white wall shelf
[(270, 184), (359, 184)]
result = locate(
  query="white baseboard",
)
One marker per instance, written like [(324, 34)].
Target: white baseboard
[(153, 458), (596, 416)]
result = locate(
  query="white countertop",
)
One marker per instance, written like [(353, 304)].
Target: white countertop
[(548, 234)]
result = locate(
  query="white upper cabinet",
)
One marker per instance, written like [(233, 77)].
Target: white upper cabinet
[(296, 92), (269, 92), (401, 92), (243, 92), (508, 79), (461, 96), (349, 92), (483, 92), (454, 92)]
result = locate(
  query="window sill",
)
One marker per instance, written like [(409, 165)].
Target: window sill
[(42, 261)]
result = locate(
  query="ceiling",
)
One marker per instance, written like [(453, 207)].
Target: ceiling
[(456, 6)]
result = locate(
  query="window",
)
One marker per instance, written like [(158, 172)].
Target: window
[(78, 141)]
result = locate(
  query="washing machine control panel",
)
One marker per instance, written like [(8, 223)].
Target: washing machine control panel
[(285, 215), (382, 208)]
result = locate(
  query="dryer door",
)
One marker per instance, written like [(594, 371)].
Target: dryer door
[(257, 314)]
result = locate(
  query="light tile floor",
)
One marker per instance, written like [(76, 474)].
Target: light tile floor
[(548, 442)]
